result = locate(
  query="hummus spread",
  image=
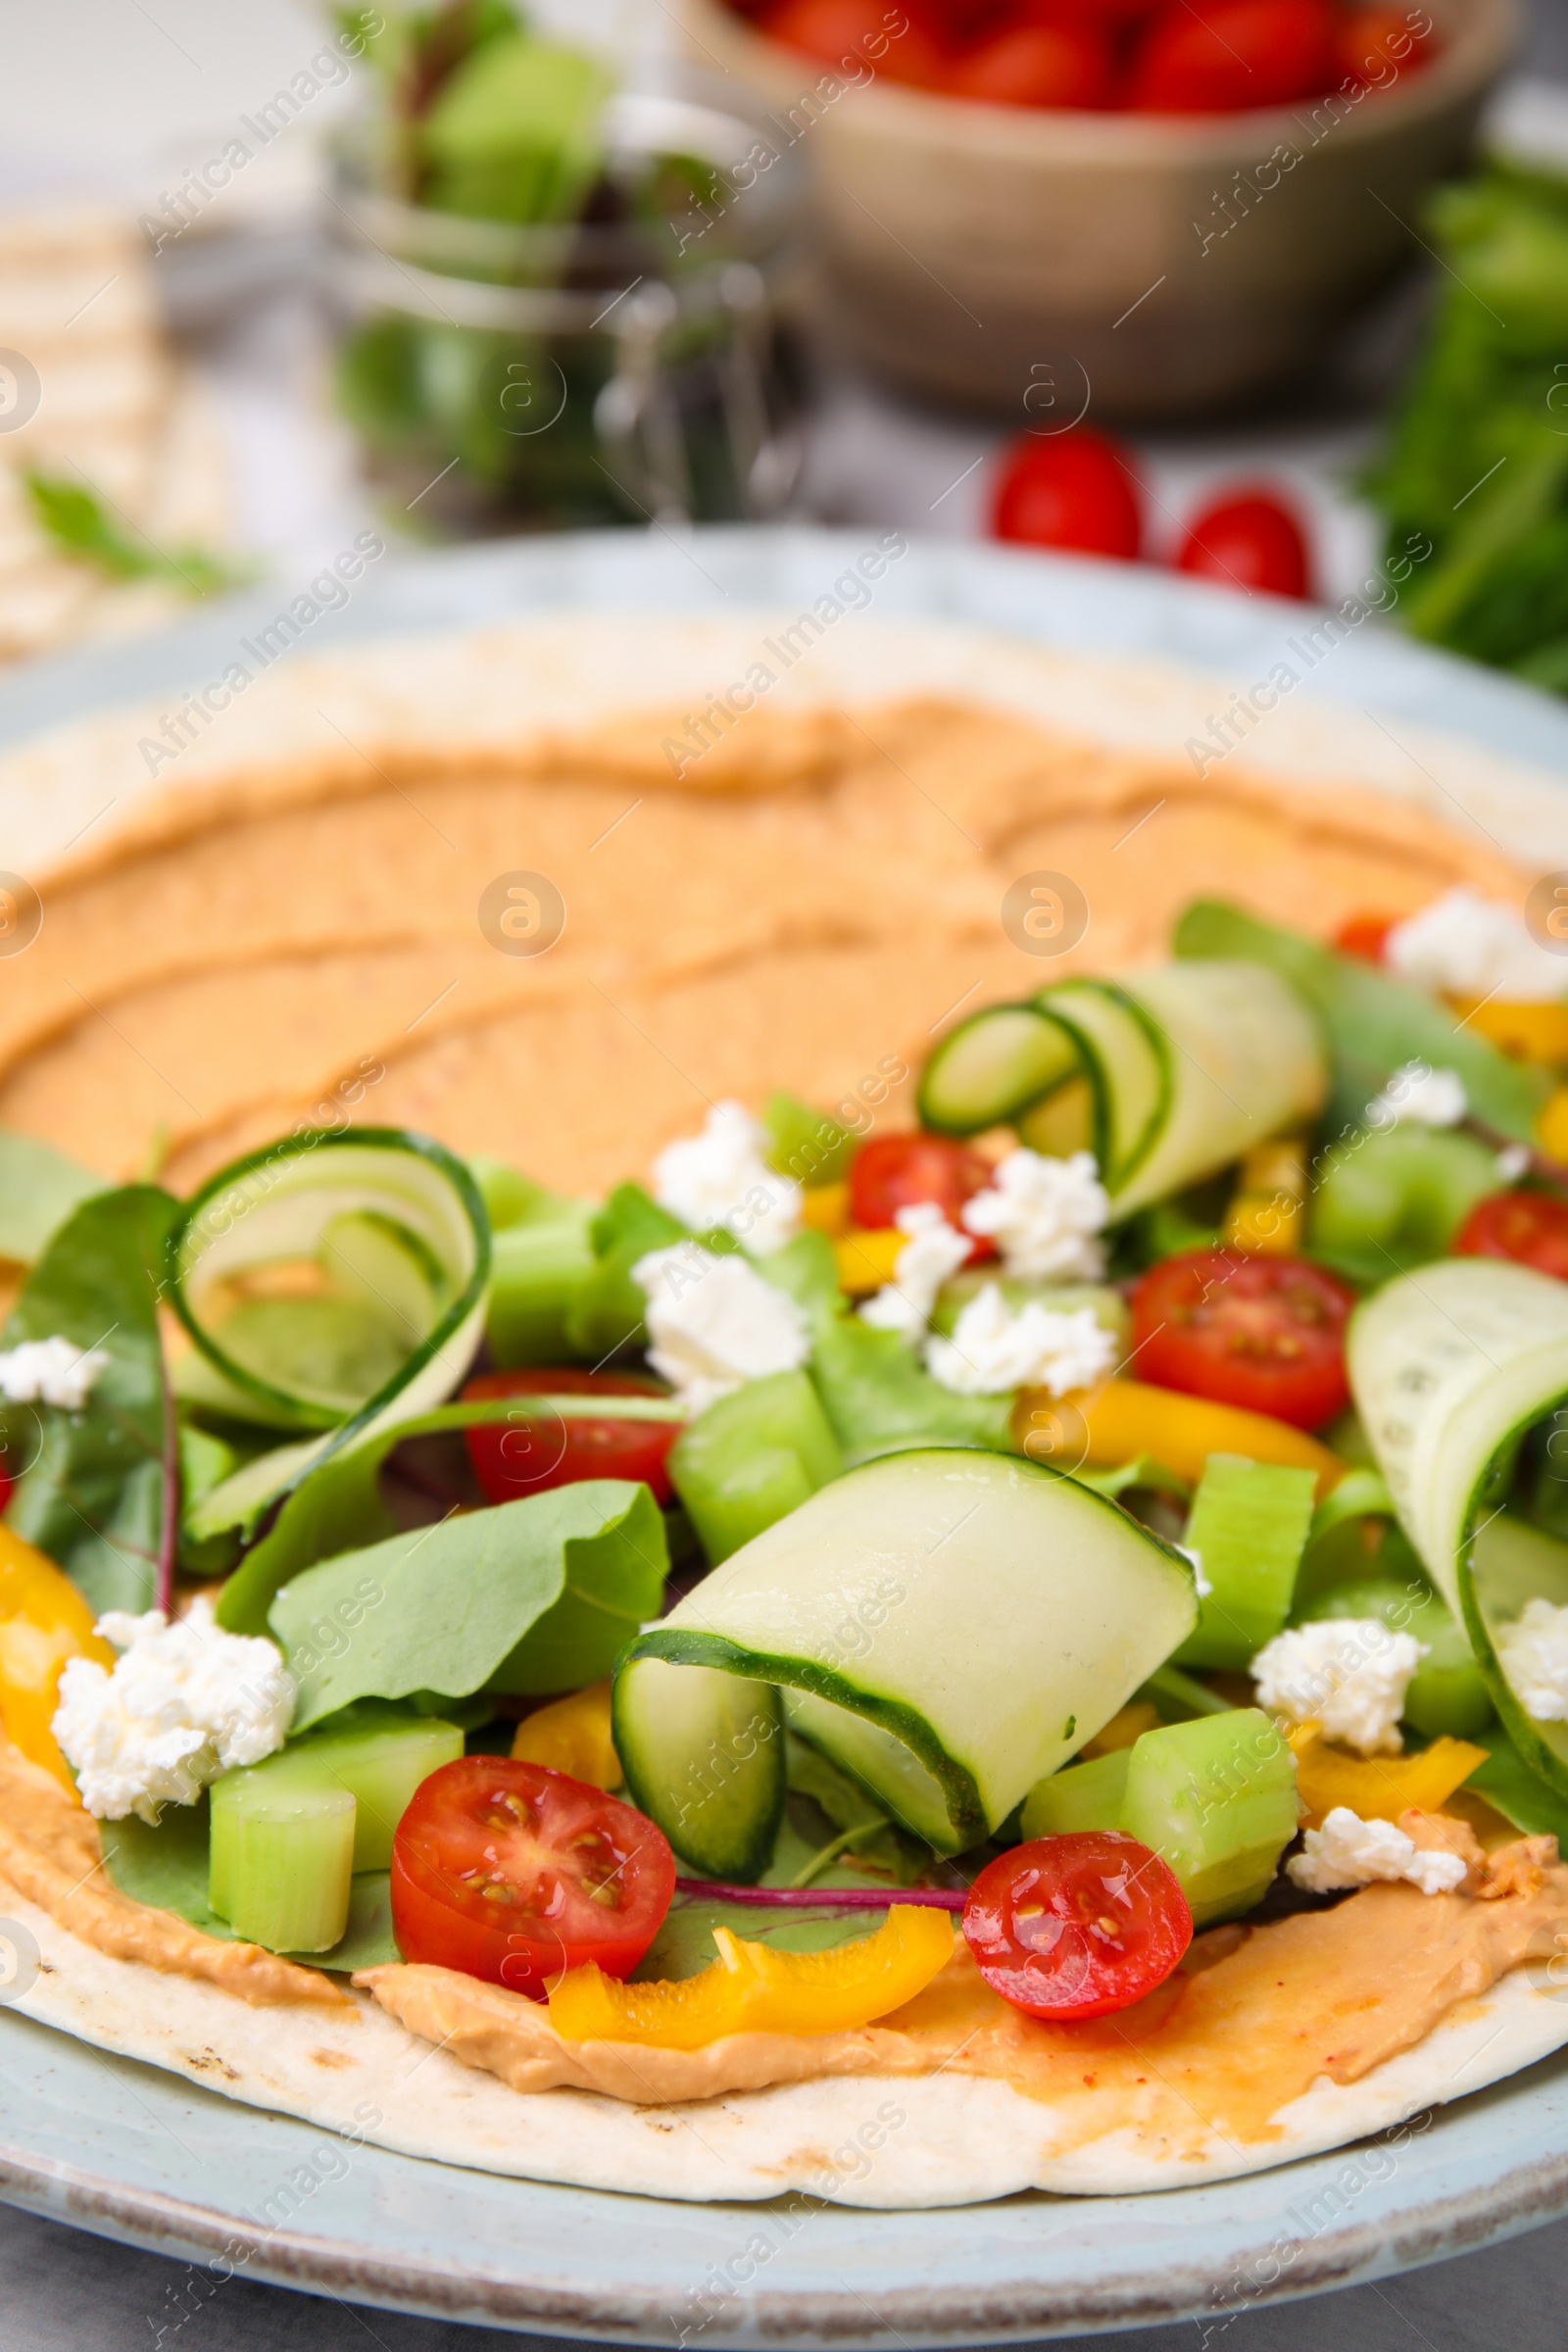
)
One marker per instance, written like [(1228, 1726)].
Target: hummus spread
[(802, 909)]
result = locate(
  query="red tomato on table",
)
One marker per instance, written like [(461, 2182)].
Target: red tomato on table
[(1232, 55), (894, 1171), (1365, 935), (525, 1458), (1249, 540), (1531, 1228), (1264, 1333), (1076, 1926), (1036, 64), (513, 1873), (1073, 490)]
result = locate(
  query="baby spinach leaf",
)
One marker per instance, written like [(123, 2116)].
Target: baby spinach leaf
[(529, 1597), (39, 1187), (165, 1864), (94, 1484)]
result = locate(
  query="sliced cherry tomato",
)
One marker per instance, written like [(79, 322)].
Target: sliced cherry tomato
[(1376, 45), (837, 31), (1264, 1333), (1074, 490), (1076, 1926), (1365, 935), (1232, 55), (894, 1171), (515, 1873), (525, 1458), (1531, 1228), (1249, 540), (1036, 64)]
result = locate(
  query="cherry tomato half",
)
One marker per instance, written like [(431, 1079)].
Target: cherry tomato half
[(1264, 1333), (894, 1171), (525, 1458), (508, 1871), (1076, 1926), (1036, 64), (1232, 55), (1365, 935), (1531, 1228), (1074, 490), (1250, 540)]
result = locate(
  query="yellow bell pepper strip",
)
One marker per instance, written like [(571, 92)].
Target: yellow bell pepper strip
[(1125, 1727), (750, 1989), (866, 1256), (1098, 1427), (1377, 1787), (44, 1620), (1269, 1205), (1552, 1125), (1527, 1032), (572, 1735), (825, 1208)]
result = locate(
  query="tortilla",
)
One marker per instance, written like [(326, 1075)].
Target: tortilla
[(794, 896)]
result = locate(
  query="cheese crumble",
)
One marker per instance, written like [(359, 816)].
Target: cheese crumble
[(1533, 1654), (1466, 946), (1044, 1216), (713, 1323), (1427, 1097), (1350, 1674), (992, 1349), (1348, 1851), (721, 1178), (53, 1371), (183, 1703), (934, 1250)]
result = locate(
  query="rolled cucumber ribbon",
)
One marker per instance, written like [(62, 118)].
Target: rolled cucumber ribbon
[(1451, 1367), (397, 1232)]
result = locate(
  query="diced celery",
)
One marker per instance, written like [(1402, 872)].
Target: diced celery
[(752, 1457), (1215, 1798), (811, 1146), (1448, 1690), (380, 1758), (538, 1274), (282, 1856), (1248, 1524), (1083, 1796), (1395, 1197)]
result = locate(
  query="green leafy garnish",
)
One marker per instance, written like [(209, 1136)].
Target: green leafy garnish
[(165, 1865), (39, 1187), (76, 521)]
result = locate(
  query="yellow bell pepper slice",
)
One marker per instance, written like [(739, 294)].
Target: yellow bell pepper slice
[(44, 1620), (825, 1208), (1377, 1787), (572, 1735), (1124, 1729), (1552, 1125), (750, 1989), (1100, 1428), (867, 1258), (1529, 1032), (1268, 1211)]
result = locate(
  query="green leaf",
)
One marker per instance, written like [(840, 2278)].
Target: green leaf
[(39, 1187), (92, 1495), (1372, 1024), (1507, 1781), (76, 519), (608, 1311), (880, 1399), (811, 1146), (531, 1596), (166, 1866)]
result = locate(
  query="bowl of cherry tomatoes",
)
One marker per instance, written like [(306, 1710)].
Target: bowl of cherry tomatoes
[(1044, 204)]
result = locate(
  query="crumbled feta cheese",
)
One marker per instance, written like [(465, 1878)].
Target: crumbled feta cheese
[(1350, 1674), (51, 1372), (721, 1177), (1533, 1654), (713, 1323), (1348, 1851), (1044, 1214), (993, 1349), (183, 1703), (934, 1250), (1513, 1161), (1466, 946), (1416, 1091)]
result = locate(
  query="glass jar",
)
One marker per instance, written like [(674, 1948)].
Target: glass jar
[(633, 366)]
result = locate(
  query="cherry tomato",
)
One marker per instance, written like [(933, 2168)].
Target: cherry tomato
[(508, 1871), (1036, 64), (894, 1171), (1076, 1926), (1100, 15), (1374, 46), (1531, 1228), (525, 1458), (1250, 540), (838, 30), (1264, 1333), (1074, 489), (1365, 935), (1232, 55), (7, 1488)]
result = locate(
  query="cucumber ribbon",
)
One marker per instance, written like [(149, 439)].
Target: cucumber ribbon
[(1451, 1367)]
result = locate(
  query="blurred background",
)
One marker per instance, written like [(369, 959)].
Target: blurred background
[(1274, 290)]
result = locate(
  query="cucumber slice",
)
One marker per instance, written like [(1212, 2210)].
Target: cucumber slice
[(703, 1751), (1449, 1368), (993, 1066), (1248, 1527), (379, 1757), (1215, 1798), (751, 1459), (1128, 1063), (952, 1624), (282, 1856), (1083, 1796), (388, 1270), (1063, 1123)]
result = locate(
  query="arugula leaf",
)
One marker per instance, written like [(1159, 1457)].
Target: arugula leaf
[(166, 1866), (531, 1596), (880, 1398), (94, 1491), (608, 1311), (1519, 1794), (75, 518), (39, 1187), (1372, 1023)]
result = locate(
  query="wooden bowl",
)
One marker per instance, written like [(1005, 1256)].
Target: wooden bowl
[(1156, 267)]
